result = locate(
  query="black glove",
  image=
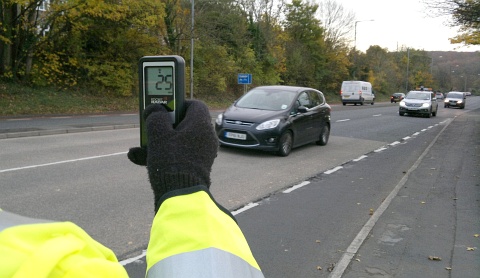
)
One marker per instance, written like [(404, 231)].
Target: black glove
[(181, 157)]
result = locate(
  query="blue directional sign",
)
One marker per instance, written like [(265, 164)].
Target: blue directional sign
[(244, 78)]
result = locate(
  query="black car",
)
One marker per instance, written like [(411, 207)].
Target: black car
[(275, 118), (397, 97)]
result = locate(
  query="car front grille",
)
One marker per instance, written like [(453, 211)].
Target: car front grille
[(413, 104), (239, 123)]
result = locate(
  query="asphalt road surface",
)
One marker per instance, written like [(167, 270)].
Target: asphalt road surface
[(306, 215)]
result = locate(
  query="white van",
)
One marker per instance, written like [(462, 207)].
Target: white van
[(357, 92)]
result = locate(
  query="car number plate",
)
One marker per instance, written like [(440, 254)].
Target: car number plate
[(347, 96), (233, 135)]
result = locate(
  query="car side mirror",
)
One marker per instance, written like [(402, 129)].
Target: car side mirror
[(302, 109)]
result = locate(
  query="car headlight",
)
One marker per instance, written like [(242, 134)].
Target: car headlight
[(459, 101), (268, 124), (219, 119), (425, 105), (446, 100), (402, 103)]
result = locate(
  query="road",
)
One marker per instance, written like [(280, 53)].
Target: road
[(86, 178)]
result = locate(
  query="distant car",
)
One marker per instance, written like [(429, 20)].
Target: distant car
[(439, 95), (275, 118), (397, 97), (468, 93), (419, 103), (455, 99)]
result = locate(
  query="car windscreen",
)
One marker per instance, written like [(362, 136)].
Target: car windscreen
[(419, 95), (266, 99), (454, 95)]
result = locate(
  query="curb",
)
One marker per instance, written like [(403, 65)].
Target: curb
[(64, 131)]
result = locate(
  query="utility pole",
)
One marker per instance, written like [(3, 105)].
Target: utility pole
[(191, 51)]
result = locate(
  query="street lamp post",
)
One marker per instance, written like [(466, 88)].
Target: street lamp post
[(355, 46), (191, 51)]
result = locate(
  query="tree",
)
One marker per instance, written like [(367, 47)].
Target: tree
[(336, 21), (305, 46), (19, 21), (465, 14)]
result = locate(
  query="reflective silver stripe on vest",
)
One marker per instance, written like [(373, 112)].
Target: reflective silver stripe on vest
[(208, 263), (8, 219)]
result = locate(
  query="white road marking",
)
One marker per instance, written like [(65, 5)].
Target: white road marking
[(60, 162), (360, 158), (333, 170), (302, 184), (379, 150), (245, 208), (131, 260), (344, 120)]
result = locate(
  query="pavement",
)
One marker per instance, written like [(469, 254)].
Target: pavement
[(16, 127)]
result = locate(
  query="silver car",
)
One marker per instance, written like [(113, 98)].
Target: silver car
[(421, 103), (455, 99)]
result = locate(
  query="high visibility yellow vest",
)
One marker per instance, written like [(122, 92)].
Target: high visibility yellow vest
[(35, 248), (191, 236)]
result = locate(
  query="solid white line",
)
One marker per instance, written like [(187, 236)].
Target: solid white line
[(378, 115), (59, 162), (245, 208), (365, 231), (333, 170), (21, 119), (360, 158), (343, 120), (302, 184)]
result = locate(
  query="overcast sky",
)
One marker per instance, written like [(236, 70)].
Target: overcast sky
[(400, 23)]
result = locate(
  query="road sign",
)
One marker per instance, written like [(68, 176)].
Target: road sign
[(244, 78)]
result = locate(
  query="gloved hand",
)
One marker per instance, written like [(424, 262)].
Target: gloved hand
[(181, 157)]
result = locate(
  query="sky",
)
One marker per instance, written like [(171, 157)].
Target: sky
[(398, 23)]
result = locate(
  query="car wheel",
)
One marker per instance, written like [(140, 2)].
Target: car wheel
[(344, 104), (285, 144), (373, 102), (324, 135), (429, 114)]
